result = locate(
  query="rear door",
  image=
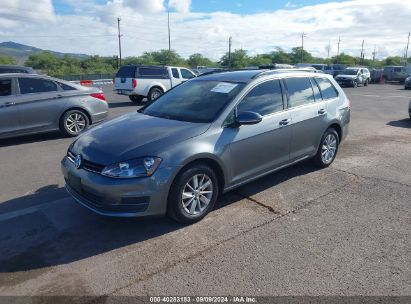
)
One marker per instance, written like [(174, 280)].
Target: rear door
[(256, 149), (9, 112), (175, 77), (124, 78), (40, 103), (307, 117)]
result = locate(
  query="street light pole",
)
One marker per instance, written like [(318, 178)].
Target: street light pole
[(169, 34)]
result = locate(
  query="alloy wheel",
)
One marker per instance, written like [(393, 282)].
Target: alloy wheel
[(75, 123), (329, 148), (197, 194)]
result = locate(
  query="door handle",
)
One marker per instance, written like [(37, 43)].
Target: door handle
[(322, 111), (58, 96), (285, 122)]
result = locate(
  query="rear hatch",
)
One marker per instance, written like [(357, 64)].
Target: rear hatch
[(124, 78)]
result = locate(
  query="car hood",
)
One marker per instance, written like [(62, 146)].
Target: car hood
[(346, 76), (131, 136)]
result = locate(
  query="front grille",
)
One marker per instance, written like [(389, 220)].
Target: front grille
[(86, 164)]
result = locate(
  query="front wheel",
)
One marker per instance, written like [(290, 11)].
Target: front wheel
[(192, 194), (154, 93), (366, 83), (327, 151), (73, 122)]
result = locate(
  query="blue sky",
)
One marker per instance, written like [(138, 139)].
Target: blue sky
[(208, 6)]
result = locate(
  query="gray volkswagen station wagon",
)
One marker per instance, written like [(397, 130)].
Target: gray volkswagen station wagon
[(205, 137)]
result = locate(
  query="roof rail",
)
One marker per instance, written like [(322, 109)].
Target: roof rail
[(277, 71)]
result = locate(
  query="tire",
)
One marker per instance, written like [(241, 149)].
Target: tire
[(329, 139), (154, 93), (68, 126), (355, 84), (136, 98), (193, 207), (366, 83)]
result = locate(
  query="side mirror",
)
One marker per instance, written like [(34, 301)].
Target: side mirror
[(248, 118)]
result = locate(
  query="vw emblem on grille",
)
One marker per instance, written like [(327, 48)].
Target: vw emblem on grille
[(78, 161)]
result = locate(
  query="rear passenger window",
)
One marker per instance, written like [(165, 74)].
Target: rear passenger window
[(66, 87), (36, 85), (299, 91), (126, 72), (175, 73), (328, 91), (152, 72), (265, 98), (317, 93), (5, 87)]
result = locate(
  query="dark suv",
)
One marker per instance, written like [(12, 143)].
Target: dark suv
[(6, 69)]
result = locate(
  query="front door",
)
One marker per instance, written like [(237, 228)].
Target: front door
[(256, 149), (40, 103), (9, 113)]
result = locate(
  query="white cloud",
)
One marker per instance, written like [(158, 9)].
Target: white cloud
[(93, 27), (181, 6), (289, 4)]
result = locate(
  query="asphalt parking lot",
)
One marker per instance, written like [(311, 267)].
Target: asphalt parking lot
[(344, 230)]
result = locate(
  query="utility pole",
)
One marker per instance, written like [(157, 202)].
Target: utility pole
[(373, 57), (169, 34), (229, 52), (119, 41), (302, 46), (362, 53), (338, 48), (328, 49), (406, 50)]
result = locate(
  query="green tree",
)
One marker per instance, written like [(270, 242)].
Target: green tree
[(344, 59), (295, 56), (197, 59), (239, 59), (7, 60), (392, 60), (280, 56), (261, 59)]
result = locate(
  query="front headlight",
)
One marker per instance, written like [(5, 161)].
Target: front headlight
[(139, 167)]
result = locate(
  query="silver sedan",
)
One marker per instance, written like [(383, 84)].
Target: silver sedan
[(35, 104)]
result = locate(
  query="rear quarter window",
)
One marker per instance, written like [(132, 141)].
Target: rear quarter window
[(328, 91), (126, 72), (161, 72)]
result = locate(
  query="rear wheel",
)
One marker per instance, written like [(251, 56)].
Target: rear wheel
[(327, 151), (366, 83), (73, 122), (136, 98), (154, 93), (193, 194)]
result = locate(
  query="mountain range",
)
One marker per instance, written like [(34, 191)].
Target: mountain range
[(21, 51)]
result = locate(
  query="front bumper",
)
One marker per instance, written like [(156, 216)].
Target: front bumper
[(135, 197), (345, 82)]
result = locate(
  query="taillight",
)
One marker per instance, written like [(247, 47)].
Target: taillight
[(100, 96), (134, 83)]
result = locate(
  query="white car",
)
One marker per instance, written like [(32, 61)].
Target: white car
[(353, 76), (138, 81)]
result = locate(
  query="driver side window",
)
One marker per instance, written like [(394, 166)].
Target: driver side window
[(266, 98)]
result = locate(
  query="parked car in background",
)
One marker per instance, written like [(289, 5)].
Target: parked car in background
[(353, 76), (407, 82), (409, 109), (138, 81), (33, 104), (395, 73), (8, 68), (205, 137), (334, 69)]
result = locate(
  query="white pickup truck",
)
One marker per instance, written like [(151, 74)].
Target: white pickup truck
[(138, 81)]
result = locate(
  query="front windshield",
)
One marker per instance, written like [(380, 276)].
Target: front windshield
[(194, 101), (349, 72)]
